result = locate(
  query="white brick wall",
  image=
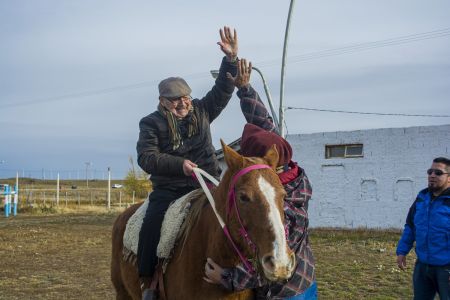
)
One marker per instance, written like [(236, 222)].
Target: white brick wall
[(376, 190)]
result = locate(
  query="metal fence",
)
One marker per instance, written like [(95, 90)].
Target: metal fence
[(33, 197)]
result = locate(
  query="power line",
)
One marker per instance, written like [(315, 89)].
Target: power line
[(368, 113), (292, 59), (363, 46), (80, 94), (95, 92)]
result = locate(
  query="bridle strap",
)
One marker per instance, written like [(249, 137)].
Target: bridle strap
[(231, 191), (199, 173), (232, 202)]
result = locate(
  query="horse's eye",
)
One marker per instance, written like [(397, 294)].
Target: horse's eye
[(244, 198)]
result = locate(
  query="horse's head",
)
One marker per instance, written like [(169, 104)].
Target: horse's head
[(258, 210)]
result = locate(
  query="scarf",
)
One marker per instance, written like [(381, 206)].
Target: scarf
[(290, 174), (174, 125)]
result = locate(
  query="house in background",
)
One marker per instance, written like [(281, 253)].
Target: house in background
[(366, 178)]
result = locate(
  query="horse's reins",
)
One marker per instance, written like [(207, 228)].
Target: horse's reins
[(199, 173)]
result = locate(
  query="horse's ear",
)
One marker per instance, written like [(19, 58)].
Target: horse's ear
[(272, 157), (233, 159)]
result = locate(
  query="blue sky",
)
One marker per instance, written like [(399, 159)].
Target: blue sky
[(76, 76)]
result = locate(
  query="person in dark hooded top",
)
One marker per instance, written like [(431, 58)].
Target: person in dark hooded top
[(258, 136)]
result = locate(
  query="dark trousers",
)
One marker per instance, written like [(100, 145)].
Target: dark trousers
[(428, 280), (159, 201)]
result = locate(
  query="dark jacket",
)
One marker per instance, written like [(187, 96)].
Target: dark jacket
[(156, 155), (428, 224)]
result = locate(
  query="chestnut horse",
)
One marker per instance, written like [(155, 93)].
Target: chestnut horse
[(258, 196)]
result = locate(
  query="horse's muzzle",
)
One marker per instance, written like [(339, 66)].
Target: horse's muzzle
[(277, 270)]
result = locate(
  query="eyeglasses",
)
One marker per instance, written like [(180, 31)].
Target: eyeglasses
[(437, 172), (179, 99)]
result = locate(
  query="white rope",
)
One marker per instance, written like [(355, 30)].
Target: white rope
[(200, 173)]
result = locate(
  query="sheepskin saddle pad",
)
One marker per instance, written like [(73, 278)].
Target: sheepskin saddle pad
[(173, 220)]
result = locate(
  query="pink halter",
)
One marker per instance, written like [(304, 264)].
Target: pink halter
[(232, 203)]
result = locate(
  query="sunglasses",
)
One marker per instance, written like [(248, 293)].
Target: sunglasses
[(437, 172)]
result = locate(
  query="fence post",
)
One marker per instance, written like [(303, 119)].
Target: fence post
[(134, 193), (6, 204), (109, 188), (57, 190), (92, 203), (16, 195), (16, 200), (66, 198)]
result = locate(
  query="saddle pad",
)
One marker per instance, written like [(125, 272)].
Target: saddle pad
[(173, 220)]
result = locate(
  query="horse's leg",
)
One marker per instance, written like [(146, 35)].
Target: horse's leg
[(132, 284), (121, 293), (116, 278)]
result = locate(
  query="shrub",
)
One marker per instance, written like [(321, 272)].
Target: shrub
[(137, 181)]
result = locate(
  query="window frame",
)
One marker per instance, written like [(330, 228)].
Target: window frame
[(328, 149)]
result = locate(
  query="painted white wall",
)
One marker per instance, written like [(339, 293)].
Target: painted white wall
[(373, 191)]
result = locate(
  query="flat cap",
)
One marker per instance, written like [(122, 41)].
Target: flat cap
[(174, 87)]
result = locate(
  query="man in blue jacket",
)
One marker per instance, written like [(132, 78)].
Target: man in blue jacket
[(428, 224)]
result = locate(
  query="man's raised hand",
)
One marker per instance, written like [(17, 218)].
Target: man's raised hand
[(228, 43)]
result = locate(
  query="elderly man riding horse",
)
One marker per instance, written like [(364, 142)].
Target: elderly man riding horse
[(172, 141)]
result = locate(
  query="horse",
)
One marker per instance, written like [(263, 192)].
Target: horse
[(258, 212)]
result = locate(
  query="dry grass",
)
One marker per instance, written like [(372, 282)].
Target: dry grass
[(67, 256), (56, 257), (360, 264)]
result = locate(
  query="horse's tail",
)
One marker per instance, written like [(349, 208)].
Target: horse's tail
[(117, 250)]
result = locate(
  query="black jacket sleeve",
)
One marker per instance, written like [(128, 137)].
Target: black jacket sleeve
[(220, 94), (150, 158)]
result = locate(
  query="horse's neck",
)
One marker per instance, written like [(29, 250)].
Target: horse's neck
[(219, 246), (220, 197)]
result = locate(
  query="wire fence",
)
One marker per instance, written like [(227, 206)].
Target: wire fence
[(32, 197)]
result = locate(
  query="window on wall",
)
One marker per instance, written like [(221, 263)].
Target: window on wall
[(344, 151)]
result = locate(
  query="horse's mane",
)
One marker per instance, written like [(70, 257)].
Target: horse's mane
[(198, 202)]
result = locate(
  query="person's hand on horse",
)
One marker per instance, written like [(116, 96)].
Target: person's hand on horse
[(228, 43), (213, 272), (188, 167), (244, 72)]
